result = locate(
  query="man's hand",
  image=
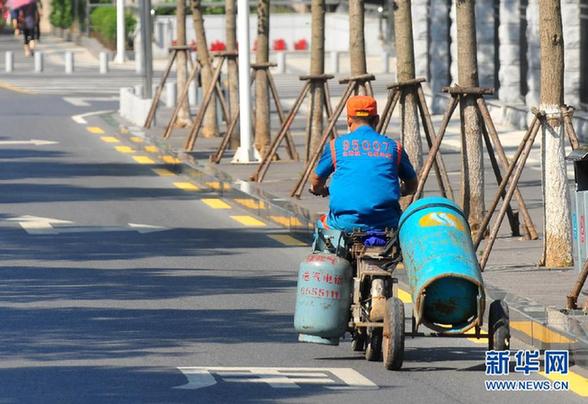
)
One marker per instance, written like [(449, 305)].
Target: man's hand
[(408, 187), (319, 190)]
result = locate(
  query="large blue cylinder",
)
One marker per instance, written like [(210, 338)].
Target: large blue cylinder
[(323, 298), (441, 265)]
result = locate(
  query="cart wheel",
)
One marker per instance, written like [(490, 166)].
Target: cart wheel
[(373, 350), (358, 341), (498, 326), (393, 334)]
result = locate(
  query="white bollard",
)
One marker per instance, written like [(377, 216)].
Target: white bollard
[(9, 61), (138, 62), (281, 69), (385, 62), (69, 62), (334, 62), (103, 62), (192, 94), (38, 61), (170, 94), (139, 90)]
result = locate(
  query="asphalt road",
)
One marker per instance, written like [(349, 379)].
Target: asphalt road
[(123, 275)]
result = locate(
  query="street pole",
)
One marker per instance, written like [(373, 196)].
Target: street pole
[(245, 153), (120, 31), (146, 40)]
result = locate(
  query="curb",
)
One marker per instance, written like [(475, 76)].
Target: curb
[(534, 324)]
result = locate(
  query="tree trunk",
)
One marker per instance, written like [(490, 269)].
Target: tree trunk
[(411, 138), (210, 128), (262, 107), (183, 118), (472, 191), (232, 67), (558, 243), (317, 66), (356, 38)]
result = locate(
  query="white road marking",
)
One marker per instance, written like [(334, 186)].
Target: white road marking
[(34, 142), (331, 378), (81, 118), (36, 225), (83, 101)]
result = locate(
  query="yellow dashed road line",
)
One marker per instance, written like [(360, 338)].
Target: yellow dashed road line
[(578, 384), (287, 240), (186, 186), (216, 203), (109, 139), (95, 130), (16, 89), (163, 172), (124, 149), (143, 160), (251, 203), (287, 221), (217, 186), (151, 149), (137, 139), (248, 221), (170, 160), (476, 340), (538, 331)]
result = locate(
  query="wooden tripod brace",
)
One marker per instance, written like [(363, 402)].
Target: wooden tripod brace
[(291, 148), (355, 84), (397, 92), (155, 103), (311, 81), (513, 175), (491, 141)]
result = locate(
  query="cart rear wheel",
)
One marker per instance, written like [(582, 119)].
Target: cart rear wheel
[(393, 334), (498, 326), (373, 350)]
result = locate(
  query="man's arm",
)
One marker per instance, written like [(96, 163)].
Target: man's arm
[(409, 180), (318, 185)]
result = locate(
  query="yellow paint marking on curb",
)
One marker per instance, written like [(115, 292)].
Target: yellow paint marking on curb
[(16, 89), (151, 149), (217, 185), (577, 383), (95, 130), (170, 160), (287, 221), (540, 332), (472, 331), (143, 160), (248, 221), (287, 240), (124, 149), (404, 296), (109, 139), (137, 139), (186, 186), (216, 203), (163, 172), (251, 203)]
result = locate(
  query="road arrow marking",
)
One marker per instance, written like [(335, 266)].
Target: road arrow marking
[(36, 225), (34, 142), (279, 378), (81, 118)]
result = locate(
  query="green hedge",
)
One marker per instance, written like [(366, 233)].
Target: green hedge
[(61, 13), (103, 22)]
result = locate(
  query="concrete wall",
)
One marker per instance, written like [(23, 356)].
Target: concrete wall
[(290, 27)]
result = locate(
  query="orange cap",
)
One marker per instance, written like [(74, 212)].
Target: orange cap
[(362, 106)]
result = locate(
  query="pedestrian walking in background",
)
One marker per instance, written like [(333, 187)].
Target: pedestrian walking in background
[(28, 20)]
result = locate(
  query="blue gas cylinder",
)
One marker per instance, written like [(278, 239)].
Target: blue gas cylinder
[(323, 298), (441, 265)]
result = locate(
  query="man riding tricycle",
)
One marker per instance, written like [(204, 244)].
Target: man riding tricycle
[(347, 283)]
